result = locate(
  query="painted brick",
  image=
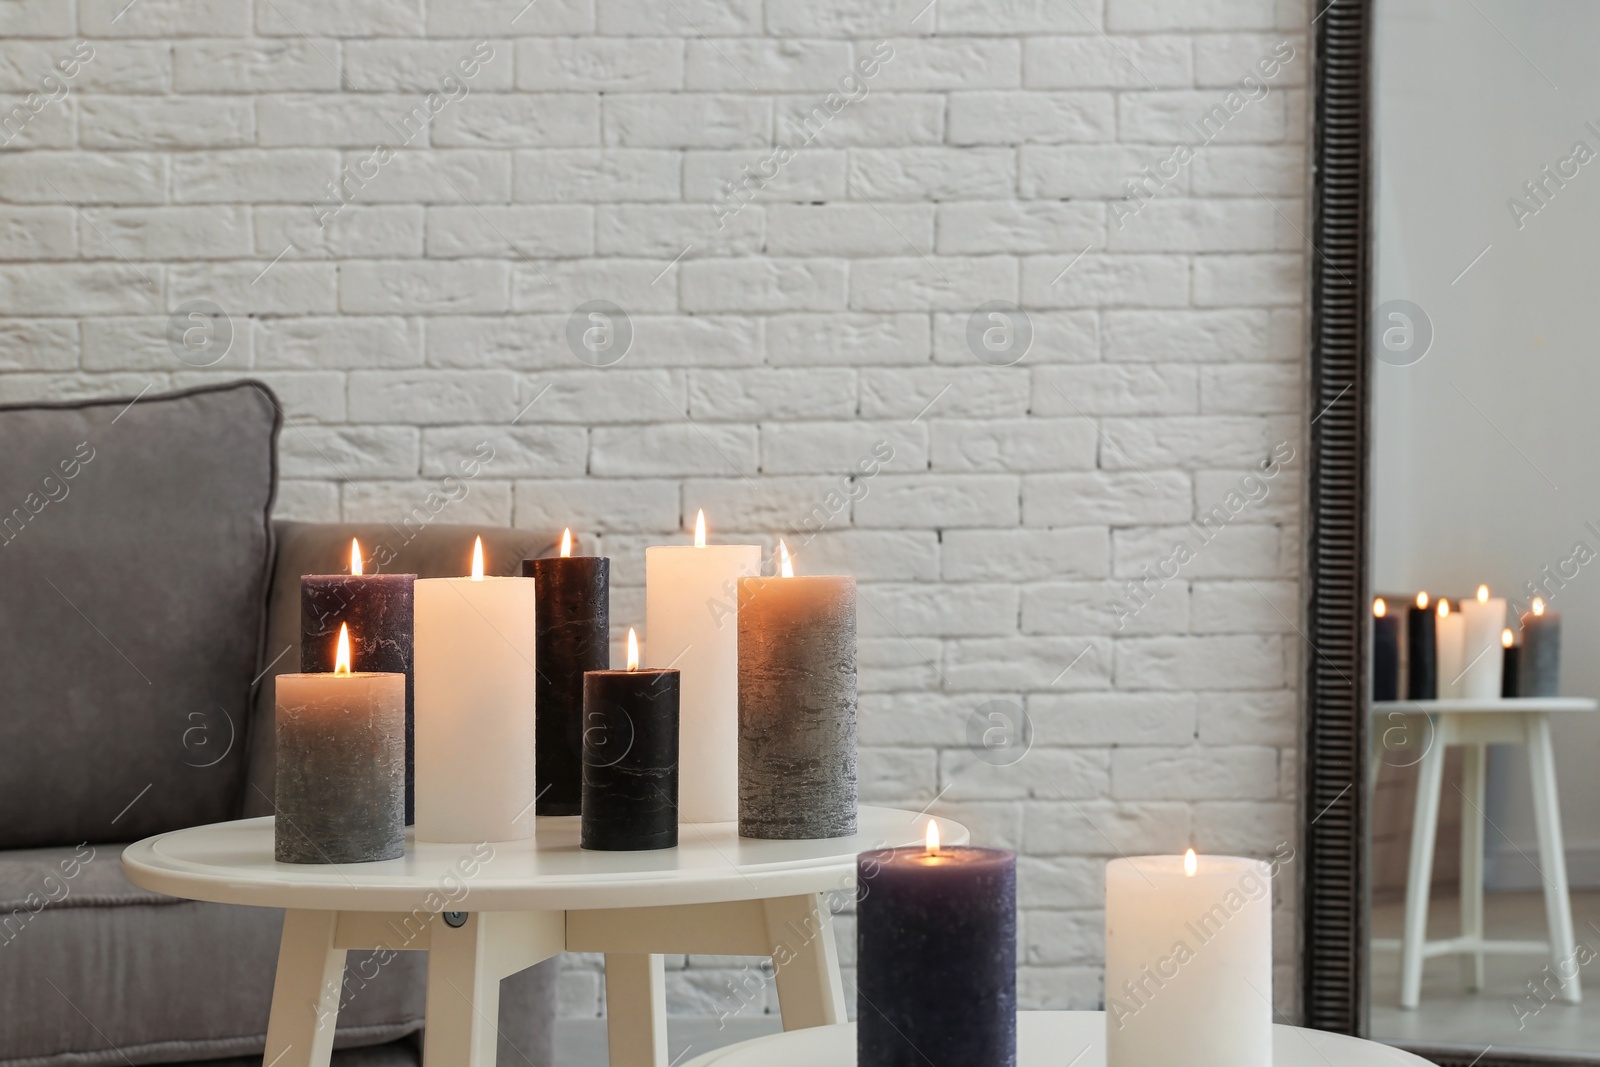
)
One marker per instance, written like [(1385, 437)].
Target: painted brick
[(381, 232), (38, 345), (1085, 62), (1025, 555), (522, 232), (940, 501), (768, 284), (597, 504), (83, 178), (844, 448), (932, 173), (379, 287), (294, 177), (772, 394), (847, 340), (1119, 498), (1009, 226), (1228, 662), (602, 64), (849, 229), (587, 174), (220, 232), (1032, 117), (1186, 336), (37, 233), (946, 63), (698, 120), (945, 283), (808, 123), (1058, 337), (682, 448), (1014, 444), (230, 65), (400, 66), (344, 452), (521, 120), (428, 397), (519, 451)]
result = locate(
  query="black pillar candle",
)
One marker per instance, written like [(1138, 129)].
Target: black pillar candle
[(1422, 652), (572, 636), (630, 759), (379, 610), (1510, 669), (1541, 652), (1385, 652), (936, 938)]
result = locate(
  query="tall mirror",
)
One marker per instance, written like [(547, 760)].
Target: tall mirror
[(1483, 514)]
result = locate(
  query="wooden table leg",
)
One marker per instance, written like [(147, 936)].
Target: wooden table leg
[(305, 993), (465, 965), (1419, 875), (636, 1009), (1553, 858), (805, 960)]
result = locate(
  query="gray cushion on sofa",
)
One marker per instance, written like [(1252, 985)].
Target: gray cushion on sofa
[(134, 548), (105, 972)]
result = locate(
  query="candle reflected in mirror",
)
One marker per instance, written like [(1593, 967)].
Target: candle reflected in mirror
[(1422, 599), (1444, 608), (1379, 608), (1538, 605), (1483, 594), (1507, 638)]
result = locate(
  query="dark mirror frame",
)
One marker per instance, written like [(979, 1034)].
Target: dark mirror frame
[(1334, 925)]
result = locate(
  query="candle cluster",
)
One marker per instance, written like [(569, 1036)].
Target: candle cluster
[(506, 708), (1464, 650)]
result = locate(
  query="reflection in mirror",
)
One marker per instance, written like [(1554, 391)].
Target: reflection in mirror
[(1485, 829)]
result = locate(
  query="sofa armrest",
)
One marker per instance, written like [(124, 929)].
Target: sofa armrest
[(432, 551)]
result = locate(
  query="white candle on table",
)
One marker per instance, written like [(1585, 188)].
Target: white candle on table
[(1188, 962), (1483, 618), (474, 707), (691, 623), (1451, 637)]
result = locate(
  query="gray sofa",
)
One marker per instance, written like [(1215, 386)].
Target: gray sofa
[(147, 600)]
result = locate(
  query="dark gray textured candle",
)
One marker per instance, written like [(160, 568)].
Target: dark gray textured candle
[(572, 635), (630, 760), (341, 768), (797, 707), (379, 610), (1541, 654)]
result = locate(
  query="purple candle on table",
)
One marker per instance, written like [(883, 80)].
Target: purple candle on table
[(936, 938), (378, 609)]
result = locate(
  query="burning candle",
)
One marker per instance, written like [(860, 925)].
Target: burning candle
[(1511, 668), (1451, 647), (936, 935), (1385, 652), (691, 623), (1541, 651), (1422, 664), (1484, 617), (475, 693), (1188, 961), (378, 610), (340, 764), (630, 757), (573, 634), (797, 704)]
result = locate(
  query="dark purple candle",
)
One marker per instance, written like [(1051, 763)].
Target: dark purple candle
[(378, 609), (936, 933), (630, 757), (1385, 652), (572, 636)]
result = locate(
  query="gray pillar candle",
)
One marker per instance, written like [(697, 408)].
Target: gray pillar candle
[(797, 706), (341, 761), (1541, 652)]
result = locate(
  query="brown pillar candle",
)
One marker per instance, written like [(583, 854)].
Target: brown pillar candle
[(797, 705)]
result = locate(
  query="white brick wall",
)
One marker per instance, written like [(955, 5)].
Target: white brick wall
[(988, 159)]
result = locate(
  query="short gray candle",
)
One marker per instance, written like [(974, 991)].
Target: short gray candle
[(341, 761), (797, 707), (1541, 652)]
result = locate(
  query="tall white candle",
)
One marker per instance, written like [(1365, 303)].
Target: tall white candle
[(1188, 962), (1451, 636), (474, 707), (691, 623), (1483, 619)]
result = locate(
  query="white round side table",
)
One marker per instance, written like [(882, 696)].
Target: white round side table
[(486, 911), (1051, 1039)]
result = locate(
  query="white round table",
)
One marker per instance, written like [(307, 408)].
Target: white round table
[(1051, 1039), (486, 911)]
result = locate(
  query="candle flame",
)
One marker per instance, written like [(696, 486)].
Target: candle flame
[(1422, 599), (341, 659), (355, 556), (566, 542), (477, 559), (932, 838), (1190, 864), (700, 528), (1507, 638), (1538, 605), (1379, 608), (1444, 608), (633, 650), (786, 566), (1483, 594)]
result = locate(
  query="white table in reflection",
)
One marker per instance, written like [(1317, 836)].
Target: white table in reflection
[(1405, 732)]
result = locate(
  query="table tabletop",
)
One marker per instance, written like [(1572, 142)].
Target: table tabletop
[(1051, 1039), (231, 863), (1483, 706)]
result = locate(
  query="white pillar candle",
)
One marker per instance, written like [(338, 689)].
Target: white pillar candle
[(474, 707), (691, 623), (1451, 636), (1483, 618), (1188, 962)]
